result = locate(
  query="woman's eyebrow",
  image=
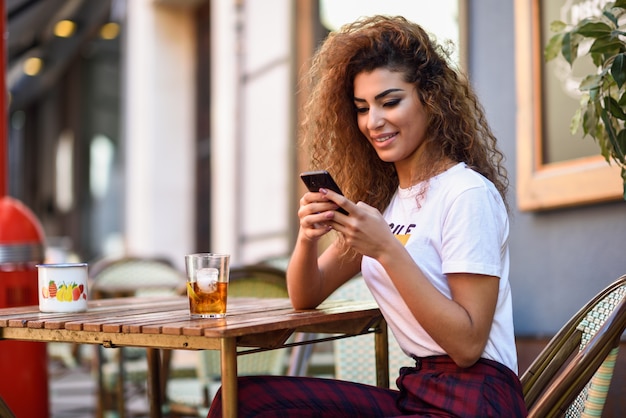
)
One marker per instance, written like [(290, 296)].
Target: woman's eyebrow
[(379, 95)]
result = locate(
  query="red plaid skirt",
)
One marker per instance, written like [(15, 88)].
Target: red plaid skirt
[(435, 387)]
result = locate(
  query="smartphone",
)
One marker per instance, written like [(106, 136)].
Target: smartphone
[(314, 180)]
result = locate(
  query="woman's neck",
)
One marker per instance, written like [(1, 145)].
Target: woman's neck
[(421, 170)]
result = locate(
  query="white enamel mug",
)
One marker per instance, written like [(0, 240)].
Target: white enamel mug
[(62, 287)]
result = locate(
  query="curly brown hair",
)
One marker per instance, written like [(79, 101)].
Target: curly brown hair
[(457, 127)]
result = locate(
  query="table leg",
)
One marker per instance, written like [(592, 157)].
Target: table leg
[(101, 395), (5, 411), (228, 354), (381, 344), (154, 382), (120, 388)]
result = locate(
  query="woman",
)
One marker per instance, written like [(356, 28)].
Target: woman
[(425, 192)]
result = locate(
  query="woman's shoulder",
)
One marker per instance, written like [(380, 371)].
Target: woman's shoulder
[(461, 176), (461, 179), (457, 181)]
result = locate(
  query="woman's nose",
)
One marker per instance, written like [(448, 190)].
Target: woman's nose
[(375, 119)]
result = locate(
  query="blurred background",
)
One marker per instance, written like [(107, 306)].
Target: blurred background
[(167, 126), (164, 127)]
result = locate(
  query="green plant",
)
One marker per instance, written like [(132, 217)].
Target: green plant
[(602, 111)]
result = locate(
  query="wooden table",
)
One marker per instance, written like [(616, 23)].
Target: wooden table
[(164, 323)]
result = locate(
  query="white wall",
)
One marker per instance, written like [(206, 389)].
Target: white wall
[(252, 101), (159, 124), (252, 106)]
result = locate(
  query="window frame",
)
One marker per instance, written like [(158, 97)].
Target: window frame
[(542, 185)]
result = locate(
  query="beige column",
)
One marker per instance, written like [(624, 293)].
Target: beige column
[(159, 127)]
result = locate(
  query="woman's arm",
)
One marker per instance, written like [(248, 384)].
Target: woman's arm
[(310, 280), (459, 325)]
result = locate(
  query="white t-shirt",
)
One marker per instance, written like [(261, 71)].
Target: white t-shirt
[(461, 226)]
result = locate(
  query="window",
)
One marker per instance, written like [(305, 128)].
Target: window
[(552, 171)]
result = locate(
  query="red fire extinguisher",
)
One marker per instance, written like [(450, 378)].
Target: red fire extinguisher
[(24, 381), (23, 365)]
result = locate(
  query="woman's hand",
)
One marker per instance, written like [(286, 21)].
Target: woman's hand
[(316, 214), (364, 229), (312, 278)]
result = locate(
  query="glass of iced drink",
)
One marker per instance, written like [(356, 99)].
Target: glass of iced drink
[(207, 284)]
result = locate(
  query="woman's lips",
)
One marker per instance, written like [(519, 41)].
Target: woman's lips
[(379, 139)]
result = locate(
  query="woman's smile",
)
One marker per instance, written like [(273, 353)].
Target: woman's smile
[(383, 137)]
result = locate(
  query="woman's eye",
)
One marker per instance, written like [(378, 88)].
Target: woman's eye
[(391, 103), (361, 109)]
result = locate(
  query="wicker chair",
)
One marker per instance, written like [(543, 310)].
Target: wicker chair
[(571, 375), (124, 277), (192, 396), (353, 356)]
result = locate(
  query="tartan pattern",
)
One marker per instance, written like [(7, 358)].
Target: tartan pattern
[(307, 397), (436, 387)]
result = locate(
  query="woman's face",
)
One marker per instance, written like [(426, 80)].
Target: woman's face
[(391, 116)]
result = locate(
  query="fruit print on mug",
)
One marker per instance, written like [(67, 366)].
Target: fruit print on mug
[(62, 287)]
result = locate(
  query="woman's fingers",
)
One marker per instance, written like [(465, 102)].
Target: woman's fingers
[(338, 199)]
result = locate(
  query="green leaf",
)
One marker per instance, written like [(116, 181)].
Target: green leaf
[(606, 44), (611, 17), (598, 59), (615, 109), (553, 48), (603, 73), (590, 82), (576, 121), (618, 69), (604, 150), (590, 119), (620, 3), (621, 142), (594, 29), (557, 26), (622, 100), (611, 134), (569, 50)]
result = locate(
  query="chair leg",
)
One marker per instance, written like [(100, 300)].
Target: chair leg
[(76, 354), (166, 364), (300, 355), (106, 400)]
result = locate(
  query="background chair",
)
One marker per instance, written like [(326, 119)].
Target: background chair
[(353, 356), (572, 373), (124, 277), (192, 397)]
